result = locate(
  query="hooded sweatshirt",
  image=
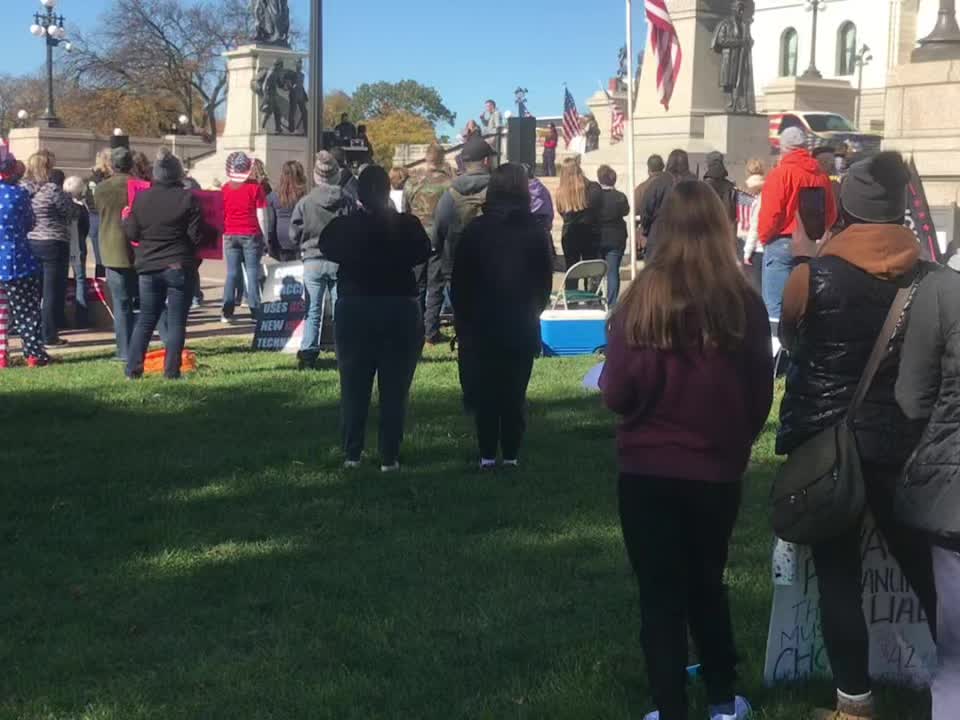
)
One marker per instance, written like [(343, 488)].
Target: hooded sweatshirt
[(834, 307), (781, 195), (313, 214), (717, 178), (751, 236)]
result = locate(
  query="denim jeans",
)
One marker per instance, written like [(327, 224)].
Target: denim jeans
[(168, 291), (614, 259), (319, 276), (54, 256), (777, 266), (243, 253), (122, 283)]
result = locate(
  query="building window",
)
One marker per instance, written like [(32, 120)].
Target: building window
[(788, 53), (846, 49)]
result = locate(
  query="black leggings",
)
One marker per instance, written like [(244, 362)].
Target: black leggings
[(839, 569), (677, 534), (580, 242)]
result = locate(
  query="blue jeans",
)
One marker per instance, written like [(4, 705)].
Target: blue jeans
[(122, 283), (777, 266), (319, 276), (614, 258), (243, 253), (167, 292)]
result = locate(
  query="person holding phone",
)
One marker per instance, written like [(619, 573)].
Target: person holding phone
[(778, 213), (834, 305)]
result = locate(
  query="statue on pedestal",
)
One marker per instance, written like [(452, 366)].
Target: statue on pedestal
[(732, 41), (267, 86), (272, 22), (297, 116)]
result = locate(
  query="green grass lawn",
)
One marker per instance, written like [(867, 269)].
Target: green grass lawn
[(193, 550)]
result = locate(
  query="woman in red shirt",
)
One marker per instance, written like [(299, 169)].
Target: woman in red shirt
[(244, 228), (550, 152)]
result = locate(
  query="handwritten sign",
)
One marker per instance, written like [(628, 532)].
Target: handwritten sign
[(282, 310), (901, 649)]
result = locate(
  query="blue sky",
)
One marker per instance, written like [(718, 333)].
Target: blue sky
[(467, 50)]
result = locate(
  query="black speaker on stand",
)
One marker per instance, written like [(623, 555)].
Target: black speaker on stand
[(522, 140)]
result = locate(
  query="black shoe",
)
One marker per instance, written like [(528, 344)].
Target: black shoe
[(438, 339), (306, 361)]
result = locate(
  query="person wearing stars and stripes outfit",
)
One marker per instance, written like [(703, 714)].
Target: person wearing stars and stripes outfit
[(20, 271)]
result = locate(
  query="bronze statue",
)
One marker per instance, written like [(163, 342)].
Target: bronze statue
[(267, 86), (732, 41), (297, 115), (273, 22)]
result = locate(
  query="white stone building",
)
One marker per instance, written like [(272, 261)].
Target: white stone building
[(782, 31)]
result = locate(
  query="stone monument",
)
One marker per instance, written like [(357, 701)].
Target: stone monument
[(733, 42), (698, 119), (266, 101), (923, 95)]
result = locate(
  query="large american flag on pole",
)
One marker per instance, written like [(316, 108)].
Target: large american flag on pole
[(571, 118), (666, 47)]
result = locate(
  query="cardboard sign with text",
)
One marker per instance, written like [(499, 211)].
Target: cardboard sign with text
[(901, 649), (283, 307)]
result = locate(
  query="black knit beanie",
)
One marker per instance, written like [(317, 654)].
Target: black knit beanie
[(875, 189), (167, 167)]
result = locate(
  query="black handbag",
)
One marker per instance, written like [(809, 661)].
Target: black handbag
[(819, 492)]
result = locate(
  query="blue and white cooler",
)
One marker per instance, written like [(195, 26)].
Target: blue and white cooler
[(567, 333)]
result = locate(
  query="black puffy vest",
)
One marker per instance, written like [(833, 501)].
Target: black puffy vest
[(846, 309)]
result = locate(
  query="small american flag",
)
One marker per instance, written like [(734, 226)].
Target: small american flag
[(618, 120), (571, 119), (666, 46)]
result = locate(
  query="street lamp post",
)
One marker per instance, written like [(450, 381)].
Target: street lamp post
[(49, 26), (944, 42), (811, 73), (864, 58)]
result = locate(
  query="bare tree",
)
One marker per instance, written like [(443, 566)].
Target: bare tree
[(168, 48)]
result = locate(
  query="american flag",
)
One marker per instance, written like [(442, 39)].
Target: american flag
[(571, 119), (666, 46), (618, 120)]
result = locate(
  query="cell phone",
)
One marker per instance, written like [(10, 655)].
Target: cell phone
[(813, 212)]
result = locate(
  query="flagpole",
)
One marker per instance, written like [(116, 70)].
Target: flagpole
[(631, 151)]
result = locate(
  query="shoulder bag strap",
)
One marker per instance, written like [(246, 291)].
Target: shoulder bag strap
[(879, 351)]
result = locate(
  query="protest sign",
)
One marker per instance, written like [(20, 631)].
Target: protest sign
[(282, 309), (901, 649), (919, 219), (211, 210)]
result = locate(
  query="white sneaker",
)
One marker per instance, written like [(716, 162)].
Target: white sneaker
[(742, 711), (511, 463), (390, 468), (487, 464), (351, 464), (226, 320)]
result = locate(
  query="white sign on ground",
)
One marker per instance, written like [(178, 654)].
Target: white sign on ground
[(901, 649)]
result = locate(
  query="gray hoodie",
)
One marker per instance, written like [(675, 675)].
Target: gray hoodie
[(312, 215)]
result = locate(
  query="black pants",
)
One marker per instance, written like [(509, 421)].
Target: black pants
[(677, 534), (549, 162), (436, 288), (839, 573), (494, 383), (579, 243), (55, 259), (382, 337), (168, 292)]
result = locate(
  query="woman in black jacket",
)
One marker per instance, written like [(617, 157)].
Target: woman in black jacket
[(928, 499), (164, 227), (613, 207), (379, 328), (577, 202), (502, 279)]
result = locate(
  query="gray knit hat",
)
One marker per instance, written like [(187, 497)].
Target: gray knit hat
[(875, 190), (326, 171), (792, 139), (167, 167), (121, 159)]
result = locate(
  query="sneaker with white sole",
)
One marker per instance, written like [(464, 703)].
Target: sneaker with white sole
[(351, 464), (487, 464), (742, 710), (390, 468), (511, 463)]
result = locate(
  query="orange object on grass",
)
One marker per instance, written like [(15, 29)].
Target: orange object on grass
[(153, 362)]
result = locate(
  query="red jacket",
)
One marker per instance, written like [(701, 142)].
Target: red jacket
[(781, 195)]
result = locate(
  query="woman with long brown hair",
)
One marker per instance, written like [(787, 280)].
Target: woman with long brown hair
[(577, 202), (689, 369), (280, 205)]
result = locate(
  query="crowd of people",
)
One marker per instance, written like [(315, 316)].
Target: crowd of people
[(689, 364)]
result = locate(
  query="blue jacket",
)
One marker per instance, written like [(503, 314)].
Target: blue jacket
[(16, 220)]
